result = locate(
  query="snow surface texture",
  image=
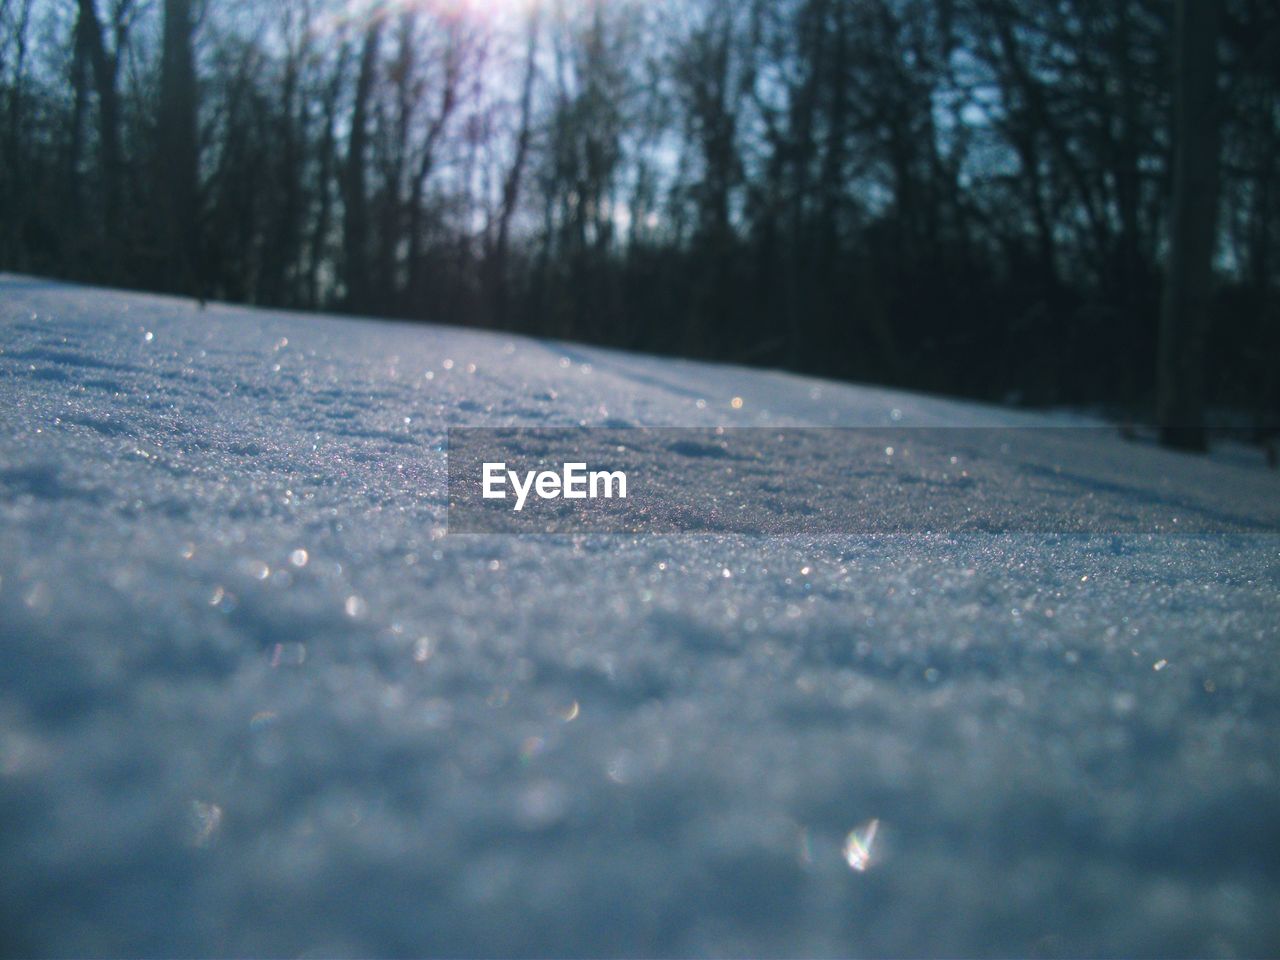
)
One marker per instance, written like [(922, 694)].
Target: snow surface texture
[(253, 700)]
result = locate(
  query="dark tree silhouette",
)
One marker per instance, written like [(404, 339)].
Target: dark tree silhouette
[(178, 156), (1006, 199), (1192, 227)]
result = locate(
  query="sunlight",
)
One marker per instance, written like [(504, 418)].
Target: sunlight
[(356, 13), (859, 845)]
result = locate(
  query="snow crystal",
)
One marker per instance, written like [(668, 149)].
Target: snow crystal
[(254, 700)]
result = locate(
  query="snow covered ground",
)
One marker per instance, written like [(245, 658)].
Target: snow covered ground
[(254, 700)]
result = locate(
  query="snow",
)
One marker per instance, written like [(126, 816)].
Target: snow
[(255, 700)]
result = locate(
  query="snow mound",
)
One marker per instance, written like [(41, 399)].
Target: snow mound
[(255, 700)]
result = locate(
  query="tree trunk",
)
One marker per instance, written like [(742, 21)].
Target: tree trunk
[(75, 139), (328, 161), (355, 224), (179, 157), (1188, 287), (511, 183)]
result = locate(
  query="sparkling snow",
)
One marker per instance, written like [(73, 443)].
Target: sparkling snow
[(254, 700)]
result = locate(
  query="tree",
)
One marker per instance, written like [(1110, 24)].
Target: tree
[(514, 177), (178, 158), (965, 196), (1188, 286), (105, 66), (355, 252)]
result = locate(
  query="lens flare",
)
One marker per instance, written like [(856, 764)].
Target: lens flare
[(859, 844)]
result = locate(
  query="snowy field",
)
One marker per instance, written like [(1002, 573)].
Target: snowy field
[(255, 700)]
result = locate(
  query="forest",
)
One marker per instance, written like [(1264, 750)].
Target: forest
[(1039, 202)]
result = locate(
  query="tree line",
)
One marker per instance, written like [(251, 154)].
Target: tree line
[(1037, 201)]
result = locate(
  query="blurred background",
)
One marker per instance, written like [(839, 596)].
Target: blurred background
[(1042, 202)]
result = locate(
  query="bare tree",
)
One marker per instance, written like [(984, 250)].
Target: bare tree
[(105, 65), (178, 158), (326, 163), (421, 158), (16, 19), (1188, 288), (514, 177), (355, 252), (284, 231), (961, 195)]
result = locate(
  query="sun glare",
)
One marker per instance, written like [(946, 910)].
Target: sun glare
[(356, 13)]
